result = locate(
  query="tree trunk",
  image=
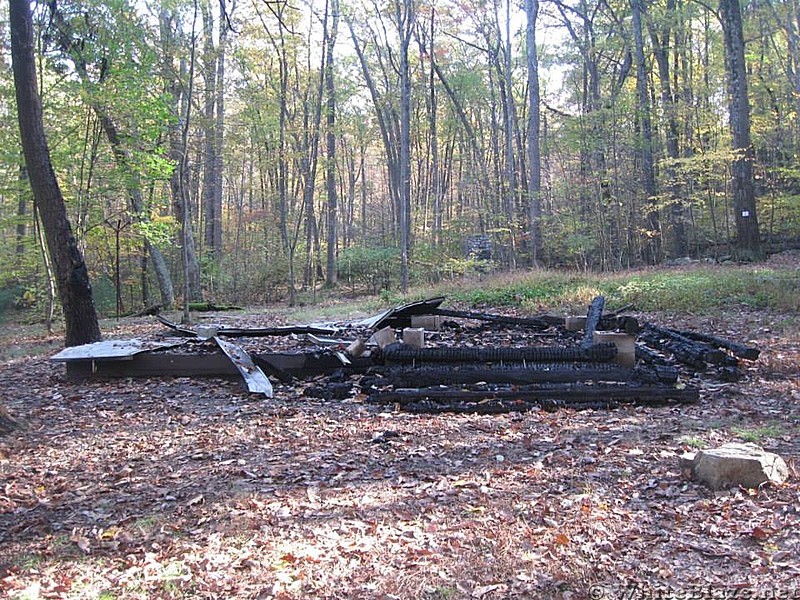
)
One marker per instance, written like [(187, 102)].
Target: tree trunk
[(22, 213), (404, 11), (436, 179), (330, 165), (534, 151), (661, 41), (133, 184), (387, 122), (510, 113), (72, 277), (210, 175), (219, 129), (744, 201), (653, 241), (179, 104)]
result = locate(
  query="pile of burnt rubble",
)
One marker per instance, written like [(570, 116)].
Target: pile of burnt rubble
[(507, 364), (421, 357)]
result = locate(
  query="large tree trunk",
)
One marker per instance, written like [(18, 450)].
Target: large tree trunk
[(179, 104), (330, 165), (22, 213), (653, 244), (744, 200), (210, 152), (72, 277), (534, 150), (405, 23), (661, 40)]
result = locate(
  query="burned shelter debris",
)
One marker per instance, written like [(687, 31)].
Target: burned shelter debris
[(420, 357)]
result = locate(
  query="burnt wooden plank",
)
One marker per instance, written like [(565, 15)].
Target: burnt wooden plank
[(534, 322), (161, 364), (686, 350), (740, 350), (552, 392), (401, 353), (593, 316)]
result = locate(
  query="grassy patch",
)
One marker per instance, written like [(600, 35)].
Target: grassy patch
[(693, 442), (707, 288), (757, 434), (696, 289)]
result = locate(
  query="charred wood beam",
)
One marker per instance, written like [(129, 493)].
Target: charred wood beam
[(308, 364), (276, 331), (686, 350), (400, 377), (506, 406), (533, 323), (658, 373), (155, 364), (629, 325), (688, 355), (649, 355), (643, 394), (740, 350), (182, 331), (401, 353), (593, 317)]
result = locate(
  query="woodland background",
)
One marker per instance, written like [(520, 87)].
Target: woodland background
[(247, 151)]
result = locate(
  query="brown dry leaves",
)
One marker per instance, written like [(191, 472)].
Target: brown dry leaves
[(190, 488)]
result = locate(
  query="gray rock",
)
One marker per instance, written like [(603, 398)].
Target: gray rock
[(735, 464)]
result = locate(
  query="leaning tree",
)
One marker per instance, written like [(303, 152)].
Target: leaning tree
[(72, 277)]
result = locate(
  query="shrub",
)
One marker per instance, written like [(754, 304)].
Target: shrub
[(372, 268)]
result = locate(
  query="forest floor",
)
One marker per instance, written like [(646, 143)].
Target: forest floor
[(190, 488)]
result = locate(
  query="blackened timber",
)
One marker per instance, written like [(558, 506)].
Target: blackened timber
[(505, 406), (400, 316), (680, 345), (308, 364), (740, 350), (649, 355), (686, 354), (155, 364), (593, 316), (533, 323), (629, 325), (401, 353), (643, 394), (401, 377)]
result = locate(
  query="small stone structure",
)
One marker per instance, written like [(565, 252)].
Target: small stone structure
[(478, 247)]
